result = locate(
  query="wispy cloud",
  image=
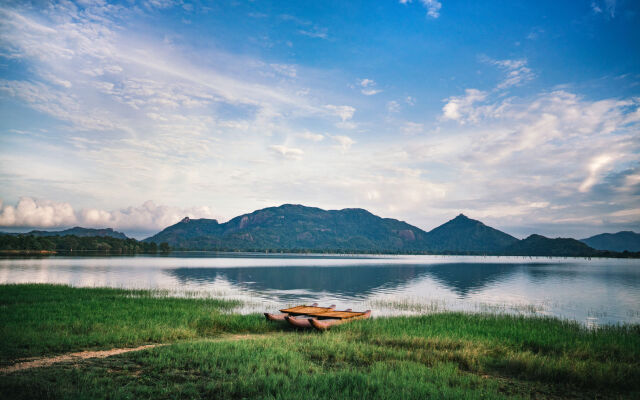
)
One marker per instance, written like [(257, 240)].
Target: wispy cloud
[(344, 112), (315, 32), (344, 142), (314, 137), (368, 87), (517, 71), (287, 152), (606, 7), (535, 33), (433, 6), (393, 106)]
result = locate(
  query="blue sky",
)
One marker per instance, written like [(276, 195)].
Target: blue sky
[(134, 114)]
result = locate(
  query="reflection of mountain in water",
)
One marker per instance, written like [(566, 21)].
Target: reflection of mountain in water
[(352, 281), (359, 281), (466, 278), (624, 276)]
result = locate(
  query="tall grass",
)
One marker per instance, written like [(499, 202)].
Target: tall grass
[(444, 355), (48, 319)]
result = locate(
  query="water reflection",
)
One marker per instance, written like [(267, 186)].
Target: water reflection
[(465, 278), (357, 282), (608, 290)]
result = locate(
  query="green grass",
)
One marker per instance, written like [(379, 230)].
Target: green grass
[(37, 320), (448, 355)]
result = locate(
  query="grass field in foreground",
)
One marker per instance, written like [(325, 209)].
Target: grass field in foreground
[(449, 355)]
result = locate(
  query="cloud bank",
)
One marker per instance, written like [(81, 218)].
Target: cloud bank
[(40, 213)]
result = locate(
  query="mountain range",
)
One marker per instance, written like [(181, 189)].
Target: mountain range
[(299, 228), (621, 241)]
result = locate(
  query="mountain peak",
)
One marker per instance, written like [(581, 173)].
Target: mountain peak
[(185, 220), (465, 234)]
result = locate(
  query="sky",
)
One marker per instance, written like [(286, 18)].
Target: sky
[(133, 114)]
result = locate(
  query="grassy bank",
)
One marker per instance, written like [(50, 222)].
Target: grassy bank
[(448, 355)]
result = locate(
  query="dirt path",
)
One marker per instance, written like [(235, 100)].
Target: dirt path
[(83, 355)]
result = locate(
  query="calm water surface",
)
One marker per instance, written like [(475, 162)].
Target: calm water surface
[(593, 292)]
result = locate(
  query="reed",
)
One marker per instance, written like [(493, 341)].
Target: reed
[(443, 355)]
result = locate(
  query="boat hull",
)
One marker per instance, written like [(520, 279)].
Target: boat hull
[(326, 324), (282, 316), (275, 317), (299, 322)]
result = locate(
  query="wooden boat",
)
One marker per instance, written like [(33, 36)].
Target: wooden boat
[(297, 311), (321, 318), (326, 320), (303, 321), (307, 310)]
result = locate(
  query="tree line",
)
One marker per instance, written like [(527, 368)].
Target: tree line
[(72, 243)]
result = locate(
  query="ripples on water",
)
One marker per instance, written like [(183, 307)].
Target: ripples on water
[(594, 292)]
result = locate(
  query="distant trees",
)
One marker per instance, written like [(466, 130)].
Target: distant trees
[(72, 243)]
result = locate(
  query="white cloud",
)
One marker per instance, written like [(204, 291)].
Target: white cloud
[(148, 216), (285, 69), (344, 142), (393, 106), (433, 7), (316, 32), (344, 112), (412, 128), (128, 70), (39, 213), (161, 3), (370, 92), (368, 87), (287, 152), (314, 137), (367, 82), (60, 82), (595, 167), (517, 71), (460, 108)]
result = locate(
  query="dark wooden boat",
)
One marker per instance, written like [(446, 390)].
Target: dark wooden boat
[(296, 311), (303, 321), (326, 320)]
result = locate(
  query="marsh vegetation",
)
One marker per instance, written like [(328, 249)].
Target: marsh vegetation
[(444, 355)]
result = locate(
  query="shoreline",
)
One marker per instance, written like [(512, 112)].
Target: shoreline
[(354, 254)]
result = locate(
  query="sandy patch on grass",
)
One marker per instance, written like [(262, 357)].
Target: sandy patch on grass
[(45, 362), (83, 355)]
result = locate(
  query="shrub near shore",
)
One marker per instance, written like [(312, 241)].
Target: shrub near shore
[(448, 355)]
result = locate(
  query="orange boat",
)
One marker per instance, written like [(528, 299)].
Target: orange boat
[(326, 320), (298, 310)]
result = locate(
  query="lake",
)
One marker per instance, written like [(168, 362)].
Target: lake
[(593, 292)]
